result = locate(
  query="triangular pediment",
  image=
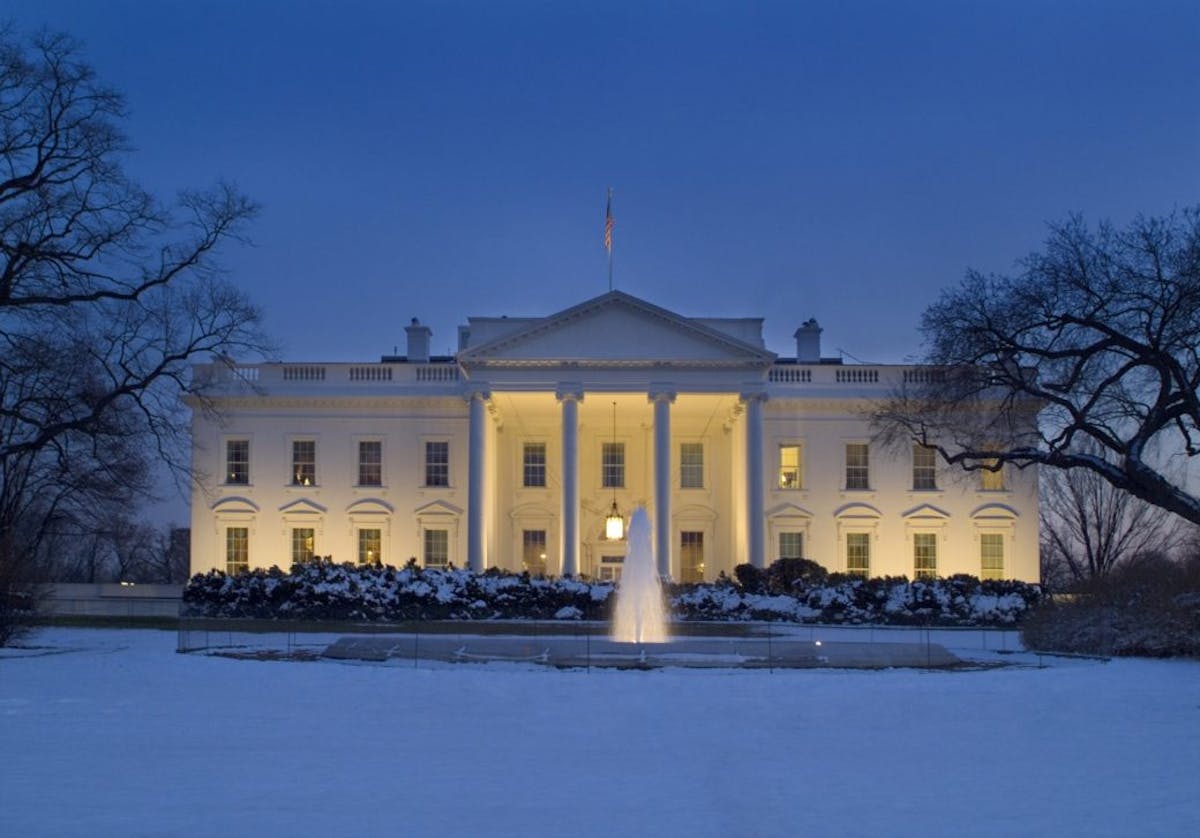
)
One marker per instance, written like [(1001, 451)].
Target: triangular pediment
[(926, 510), (616, 329), (302, 506), (438, 507), (370, 506), (788, 510)]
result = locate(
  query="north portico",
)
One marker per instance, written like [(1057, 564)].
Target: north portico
[(629, 379), (511, 453)]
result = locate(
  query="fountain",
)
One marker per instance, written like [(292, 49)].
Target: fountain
[(638, 616), (638, 637)]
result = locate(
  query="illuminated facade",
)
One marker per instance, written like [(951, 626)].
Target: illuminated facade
[(512, 453)]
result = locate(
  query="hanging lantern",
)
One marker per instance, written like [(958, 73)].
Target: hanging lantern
[(614, 524)]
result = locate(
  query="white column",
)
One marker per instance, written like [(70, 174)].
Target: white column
[(570, 396), (476, 475), (755, 510), (662, 397)]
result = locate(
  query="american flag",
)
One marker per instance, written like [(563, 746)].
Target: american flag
[(608, 223)]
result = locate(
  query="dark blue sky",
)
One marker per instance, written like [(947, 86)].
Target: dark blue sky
[(841, 161)]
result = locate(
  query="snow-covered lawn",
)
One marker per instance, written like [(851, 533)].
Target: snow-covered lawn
[(110, 732)]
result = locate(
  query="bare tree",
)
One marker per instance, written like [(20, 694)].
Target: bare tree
[(1087, 359), (1090, 528), (106, 298)]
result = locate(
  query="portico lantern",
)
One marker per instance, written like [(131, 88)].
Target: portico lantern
[(614, 524)]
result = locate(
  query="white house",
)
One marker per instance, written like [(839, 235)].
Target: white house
[(512, 453)]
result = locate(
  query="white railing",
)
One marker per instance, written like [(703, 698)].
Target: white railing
[(266, 375), (790, 375), (835, 375)]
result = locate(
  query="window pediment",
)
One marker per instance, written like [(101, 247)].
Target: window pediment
[(438, 507), (788, 510), (857, 510), (234, 504), (925, 511), (301, 507), (995, 512), (370, 506)]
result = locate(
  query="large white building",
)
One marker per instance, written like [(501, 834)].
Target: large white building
[(512, 452)]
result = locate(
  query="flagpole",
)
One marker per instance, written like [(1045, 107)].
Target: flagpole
[(608, 242)]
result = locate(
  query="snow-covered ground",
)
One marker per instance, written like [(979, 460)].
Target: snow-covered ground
[(110, 732)]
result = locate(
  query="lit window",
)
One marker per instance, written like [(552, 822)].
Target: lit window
[(370, 463), (533, 552), (437, 464), (791, 545), (924, 468), (237, 550), (924, 555), (991, 556), (237, 462), (612, 465), (691, 465), (534, 465), (437, 548), (691, 557), (302, 544), (858, 471), (790, 467), (370, 546), (858, 554), (991, 480), (304, 462)]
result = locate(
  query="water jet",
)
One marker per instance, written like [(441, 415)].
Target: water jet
[(639, 616)]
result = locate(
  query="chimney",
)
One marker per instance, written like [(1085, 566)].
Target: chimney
[(418, 341), (808, 342)]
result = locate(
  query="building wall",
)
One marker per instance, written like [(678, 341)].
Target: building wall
[(822, 509)]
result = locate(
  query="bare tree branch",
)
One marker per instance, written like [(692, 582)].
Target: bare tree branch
[(1088, 358)]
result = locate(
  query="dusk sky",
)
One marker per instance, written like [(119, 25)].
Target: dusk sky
[(841, 161)]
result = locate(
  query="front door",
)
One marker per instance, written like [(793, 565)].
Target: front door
[(691, 556)]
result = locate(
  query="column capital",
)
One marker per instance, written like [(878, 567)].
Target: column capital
[(752, 393), (660, 391), (572, 390), (477, 391)]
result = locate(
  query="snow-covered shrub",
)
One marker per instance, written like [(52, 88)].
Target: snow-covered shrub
[(785, 575), (324, 590), (1151, 610)]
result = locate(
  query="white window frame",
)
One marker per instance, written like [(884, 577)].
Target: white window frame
[(846, 466), (1000, 536), (779, 537), (292, 535), (522, 464), (358, 462), (227, 462), (779, 474), (296, 481), (703, 464), (358, 545), (425, 533), (927, 472), (1000, 476), (544, 559), (243, 567), (923, 574), (425, 464), (869, 535), (623, 447)]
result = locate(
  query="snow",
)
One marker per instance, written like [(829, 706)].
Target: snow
[(110, 732)]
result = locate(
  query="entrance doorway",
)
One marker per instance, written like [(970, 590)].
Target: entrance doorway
[(691, 556)]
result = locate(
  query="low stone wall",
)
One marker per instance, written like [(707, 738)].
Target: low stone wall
[(112, 600)]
